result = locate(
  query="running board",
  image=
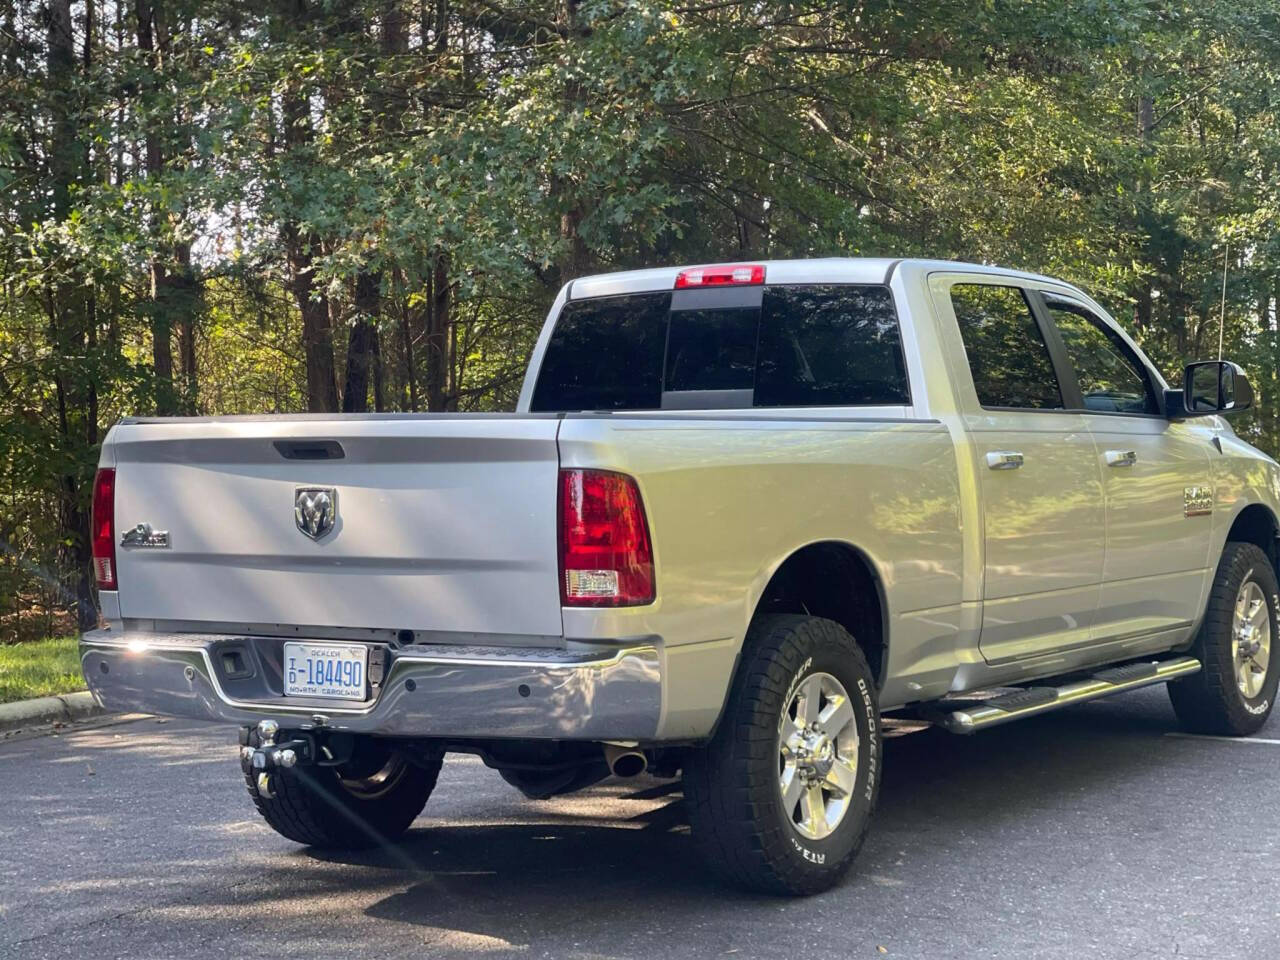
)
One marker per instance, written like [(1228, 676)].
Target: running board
[(1030, 701)]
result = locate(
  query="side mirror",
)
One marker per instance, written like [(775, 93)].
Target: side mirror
[(1215, 386)]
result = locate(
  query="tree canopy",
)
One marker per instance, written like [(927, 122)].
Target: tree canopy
[(349, 205)]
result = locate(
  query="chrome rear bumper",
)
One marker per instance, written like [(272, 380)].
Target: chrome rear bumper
[(427, 691)]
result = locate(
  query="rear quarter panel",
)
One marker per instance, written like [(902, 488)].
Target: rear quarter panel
[(729, 498)]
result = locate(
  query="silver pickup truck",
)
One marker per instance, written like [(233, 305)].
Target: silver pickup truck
[(742, 513)]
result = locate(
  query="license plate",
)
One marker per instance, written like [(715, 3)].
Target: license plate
[(333, 670)]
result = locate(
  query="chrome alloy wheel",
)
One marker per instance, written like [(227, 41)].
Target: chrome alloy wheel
[(817, 756), (1251, 633)]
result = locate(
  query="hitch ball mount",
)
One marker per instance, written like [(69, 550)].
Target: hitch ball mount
[(304, 749)]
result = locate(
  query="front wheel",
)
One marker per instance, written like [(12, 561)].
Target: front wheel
[(369, 800), (1235, 690), (781, 798)]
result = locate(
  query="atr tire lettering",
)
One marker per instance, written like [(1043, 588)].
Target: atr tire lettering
[(811, 855)]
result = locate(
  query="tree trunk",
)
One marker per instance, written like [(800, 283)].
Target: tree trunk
[(364, 346), (1142, 309), (437, 339), (395, 34), (575, 259), (162, 339), (360, 344), (379, 374), (68, 317), (313, 305), (407, 337), (317, 344), (185, 293), (189, 300), (64, 153), (161, 306)]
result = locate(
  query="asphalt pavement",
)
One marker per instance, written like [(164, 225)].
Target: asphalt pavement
[(1094, 832)]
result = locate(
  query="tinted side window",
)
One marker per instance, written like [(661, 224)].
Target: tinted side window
[(1111, 379), (1007, 354), (829, 346), (605, 354)]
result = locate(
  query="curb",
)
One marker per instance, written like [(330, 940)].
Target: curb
[(46, 710)]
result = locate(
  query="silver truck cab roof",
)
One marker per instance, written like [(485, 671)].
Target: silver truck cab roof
[(816, 270), (912, 272)]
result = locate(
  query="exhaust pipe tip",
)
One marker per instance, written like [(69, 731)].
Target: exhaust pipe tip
[(625, 761)]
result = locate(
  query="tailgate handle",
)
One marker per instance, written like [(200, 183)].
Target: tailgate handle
[(309, 449)]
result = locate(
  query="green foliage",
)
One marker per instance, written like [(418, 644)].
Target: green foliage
[(251, 190), (39, 668)]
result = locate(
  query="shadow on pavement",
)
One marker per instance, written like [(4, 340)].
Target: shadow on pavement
[(518, 882), (1034, 834)]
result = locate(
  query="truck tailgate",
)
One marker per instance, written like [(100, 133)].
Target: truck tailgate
[(441, 524)]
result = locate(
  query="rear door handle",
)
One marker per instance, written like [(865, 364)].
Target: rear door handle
[(1121, 458), (1004, 459)]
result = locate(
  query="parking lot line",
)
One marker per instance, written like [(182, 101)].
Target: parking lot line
[(1205, 736)]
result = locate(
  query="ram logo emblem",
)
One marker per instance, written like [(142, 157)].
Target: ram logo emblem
[(315, 510)]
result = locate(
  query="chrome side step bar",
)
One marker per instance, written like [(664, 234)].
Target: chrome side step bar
[(1030, 701)]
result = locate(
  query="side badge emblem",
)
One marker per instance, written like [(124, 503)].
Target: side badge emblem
[(143, 536), (1197, 501)]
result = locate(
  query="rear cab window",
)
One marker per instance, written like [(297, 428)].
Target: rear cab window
[(1010, 362), (808, 345), (605, 354)]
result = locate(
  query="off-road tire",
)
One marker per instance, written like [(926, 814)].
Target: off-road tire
[(1210, 701), (731, 787), (311, 804)]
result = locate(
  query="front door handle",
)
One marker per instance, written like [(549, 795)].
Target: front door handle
[(1004, 459), (1121, 458)]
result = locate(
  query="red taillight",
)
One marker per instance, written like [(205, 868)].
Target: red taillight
[(733, 274), (102, 529), (605, 556)]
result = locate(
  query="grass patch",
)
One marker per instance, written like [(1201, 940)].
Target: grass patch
[(39, 668)]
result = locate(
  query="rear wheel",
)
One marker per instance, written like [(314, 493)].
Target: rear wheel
[(781, 799), (1235, 690), (370, 799)]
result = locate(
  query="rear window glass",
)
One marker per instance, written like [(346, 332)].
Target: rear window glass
[(813, 345), (605, 354), (829, 346), (712, 349)]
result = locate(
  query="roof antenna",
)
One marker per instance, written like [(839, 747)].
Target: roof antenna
[(1222, 315)]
